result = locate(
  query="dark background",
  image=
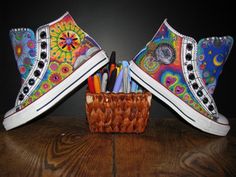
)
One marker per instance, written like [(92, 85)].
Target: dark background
[(123, 26)]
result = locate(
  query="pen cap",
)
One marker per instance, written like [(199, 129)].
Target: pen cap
[(113, 57)]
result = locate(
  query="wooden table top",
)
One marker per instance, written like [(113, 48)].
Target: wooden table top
[(63, 146)]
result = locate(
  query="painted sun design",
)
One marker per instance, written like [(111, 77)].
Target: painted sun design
[(65, 38)]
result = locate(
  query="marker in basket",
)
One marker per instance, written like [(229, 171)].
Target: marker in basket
[(118, 67), (104, 81), (125, 80), (112, 80), (118, 70), (97, 84), (112, 63), (126, 77), (99, 74), (134, 86), (118, 81), (129, 82), (91, 84)]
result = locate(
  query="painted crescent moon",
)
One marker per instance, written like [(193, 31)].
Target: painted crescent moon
[(217, 62)]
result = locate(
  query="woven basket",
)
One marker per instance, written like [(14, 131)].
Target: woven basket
[(118, 112)]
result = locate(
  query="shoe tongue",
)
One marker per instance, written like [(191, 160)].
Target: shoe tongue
[(211, 56), (24, 46)]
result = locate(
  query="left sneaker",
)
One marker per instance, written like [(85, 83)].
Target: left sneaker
[(168, 68), (52, 63)]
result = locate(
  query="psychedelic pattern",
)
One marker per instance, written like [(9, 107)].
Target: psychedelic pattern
[(211, 56), (161, 59), (24, 46), (66, 37), (70, 47)]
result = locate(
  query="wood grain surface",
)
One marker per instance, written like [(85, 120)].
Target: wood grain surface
[(64, 147)]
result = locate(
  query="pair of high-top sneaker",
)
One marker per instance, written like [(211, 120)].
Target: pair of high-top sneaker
[(174, 67)]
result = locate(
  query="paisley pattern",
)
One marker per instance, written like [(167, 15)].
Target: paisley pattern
[(211, 56), (24, 46), (165, 52), (70, 47)]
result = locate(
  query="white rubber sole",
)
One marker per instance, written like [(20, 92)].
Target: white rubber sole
[(49, 99), (185, 111)]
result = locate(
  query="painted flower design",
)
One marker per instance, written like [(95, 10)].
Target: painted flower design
[(37, 93), (22, 69), (27, 61), (27, 102), (23, 42), (46, 86), (65, 69), (31, 44), (55, 78), (30, 100), (53, 66), (68, 41), (19, 50), (66, 37)]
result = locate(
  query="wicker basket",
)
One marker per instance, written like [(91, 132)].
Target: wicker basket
[(118, 112)]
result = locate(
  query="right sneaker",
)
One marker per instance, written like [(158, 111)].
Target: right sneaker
[(168, 68), (52, 63)]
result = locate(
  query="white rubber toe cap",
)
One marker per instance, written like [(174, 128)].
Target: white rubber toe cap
[(222, 119), (10, 112)]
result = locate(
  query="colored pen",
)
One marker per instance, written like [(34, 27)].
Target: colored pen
[(126, 77), (112, 63), (97, 84), (118, 70), (112, 80), (134, 86), (118, 82), (104, 81), (91, 84), (125, 80)]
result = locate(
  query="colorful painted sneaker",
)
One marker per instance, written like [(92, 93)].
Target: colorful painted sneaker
[(168, 68), (52, 63)]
